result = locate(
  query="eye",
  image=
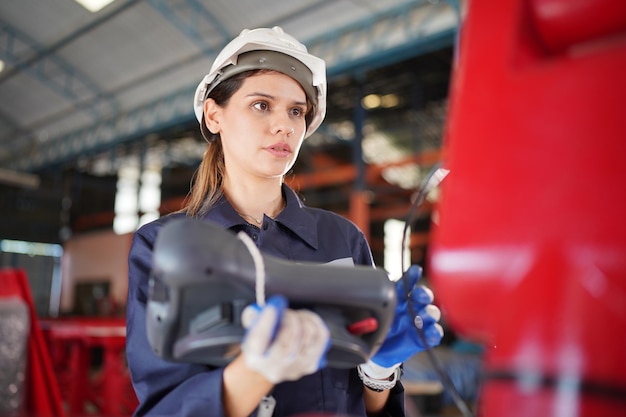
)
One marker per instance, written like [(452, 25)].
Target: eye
[(261, 105), (297, 112)]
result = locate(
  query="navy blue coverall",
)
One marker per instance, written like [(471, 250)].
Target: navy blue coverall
[(298, 233)]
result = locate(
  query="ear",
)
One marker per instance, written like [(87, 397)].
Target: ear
[(211, 115)]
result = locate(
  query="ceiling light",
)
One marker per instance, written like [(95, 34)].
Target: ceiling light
[(1, 65), (371, 101), (389, 100), (94, 5)]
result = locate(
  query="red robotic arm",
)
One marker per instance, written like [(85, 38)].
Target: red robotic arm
[(530, 253)]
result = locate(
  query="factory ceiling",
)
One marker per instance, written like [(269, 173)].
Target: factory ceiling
[(79, 88)]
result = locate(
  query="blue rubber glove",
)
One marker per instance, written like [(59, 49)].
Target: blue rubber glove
[(283, 344), (402, 340)]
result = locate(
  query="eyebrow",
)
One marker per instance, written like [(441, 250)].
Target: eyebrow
[(257, 94)]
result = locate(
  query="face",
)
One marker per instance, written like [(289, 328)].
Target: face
[(261, 127)]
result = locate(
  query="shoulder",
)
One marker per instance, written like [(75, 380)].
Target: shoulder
[(140, 254), (325, 220), (147, 234), (333, 222), (339, 236)]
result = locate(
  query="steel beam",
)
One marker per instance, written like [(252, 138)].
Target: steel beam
[(189, 16)]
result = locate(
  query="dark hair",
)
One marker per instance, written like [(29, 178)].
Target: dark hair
[(206, 184), (221, 94)]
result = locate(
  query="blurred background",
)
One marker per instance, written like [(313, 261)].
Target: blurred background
[(98, 136)]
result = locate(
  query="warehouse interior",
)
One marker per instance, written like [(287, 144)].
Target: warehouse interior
[(97, 136)]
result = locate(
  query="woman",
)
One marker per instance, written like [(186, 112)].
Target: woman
[(263, 96)]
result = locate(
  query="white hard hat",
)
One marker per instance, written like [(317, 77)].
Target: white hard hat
[(267, 49)]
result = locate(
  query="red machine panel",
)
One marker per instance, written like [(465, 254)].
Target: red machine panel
[(530, 253)]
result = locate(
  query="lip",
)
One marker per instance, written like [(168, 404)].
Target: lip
[(280, 149)]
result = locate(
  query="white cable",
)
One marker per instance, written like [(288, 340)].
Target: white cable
[(259, 267)]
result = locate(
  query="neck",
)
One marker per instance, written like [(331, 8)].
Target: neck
[(253, 201)]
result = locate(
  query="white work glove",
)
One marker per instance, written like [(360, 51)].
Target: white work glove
[(284, 344)]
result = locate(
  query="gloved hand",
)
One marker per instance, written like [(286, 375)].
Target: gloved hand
[(284, 344), (402, 340)]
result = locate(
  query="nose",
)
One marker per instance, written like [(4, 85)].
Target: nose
[(283, 125)]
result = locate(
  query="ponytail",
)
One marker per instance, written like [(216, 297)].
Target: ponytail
[(206, 184)]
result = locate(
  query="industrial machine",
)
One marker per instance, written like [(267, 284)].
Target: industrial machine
[(529, 257)]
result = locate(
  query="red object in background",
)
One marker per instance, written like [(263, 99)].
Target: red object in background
[(530, 253), (42, 394), (89, 361)]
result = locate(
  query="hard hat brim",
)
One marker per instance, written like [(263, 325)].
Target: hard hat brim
[(265, 60)]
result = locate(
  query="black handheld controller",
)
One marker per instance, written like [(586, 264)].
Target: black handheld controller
[(204, 276)]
